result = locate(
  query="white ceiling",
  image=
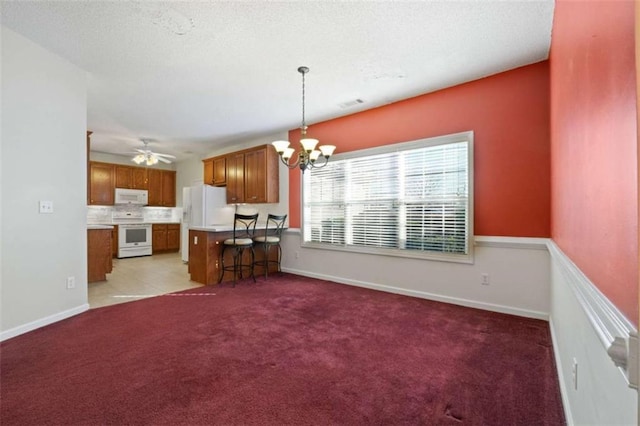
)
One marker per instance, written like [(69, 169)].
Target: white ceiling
[(195, 76)]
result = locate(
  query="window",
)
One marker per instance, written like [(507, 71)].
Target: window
[(411, 199)]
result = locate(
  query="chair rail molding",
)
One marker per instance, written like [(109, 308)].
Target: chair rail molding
[(618, 336)]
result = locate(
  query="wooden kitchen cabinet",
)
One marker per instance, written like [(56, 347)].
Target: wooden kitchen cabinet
[(235, 178), (261, 175), (215, 171), (204, 257), (99, 259), (131, 177), (251, 175), (165, 237), (173, 236), (101, 183), (162, 188), (114, 241), (204, 253)]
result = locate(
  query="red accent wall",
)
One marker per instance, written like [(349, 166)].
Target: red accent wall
[(594, 145), (509, 114)]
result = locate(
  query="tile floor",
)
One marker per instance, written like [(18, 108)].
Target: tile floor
[(138, 277)]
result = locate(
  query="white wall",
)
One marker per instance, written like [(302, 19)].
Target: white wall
[(121, 159), (43, 158), (518, 269), (603, 396)]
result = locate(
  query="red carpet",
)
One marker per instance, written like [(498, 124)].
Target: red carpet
[(290, 350)]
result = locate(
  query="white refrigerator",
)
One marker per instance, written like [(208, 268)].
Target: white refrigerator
[(203, 205)]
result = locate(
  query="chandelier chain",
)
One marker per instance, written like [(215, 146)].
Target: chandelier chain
[(304, 125)]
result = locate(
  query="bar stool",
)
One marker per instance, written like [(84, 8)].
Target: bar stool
[(244, 227), (271, 238)]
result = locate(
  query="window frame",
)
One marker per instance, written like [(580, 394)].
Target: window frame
[(468, 137)]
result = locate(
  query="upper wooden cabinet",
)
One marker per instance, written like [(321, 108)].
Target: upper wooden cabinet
[(131, 177), (250, 175), (101, 183), (215, 171), (235, 178), (162, 187), (261, 175)]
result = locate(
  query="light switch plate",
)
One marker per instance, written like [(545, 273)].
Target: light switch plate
[(46, 206)]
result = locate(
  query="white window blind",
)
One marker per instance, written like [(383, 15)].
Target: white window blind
[(410, 199)]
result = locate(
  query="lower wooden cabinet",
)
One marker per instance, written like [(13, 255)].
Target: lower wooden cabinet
[(114, 241), (99, 257), (165, 237), (204, 257)]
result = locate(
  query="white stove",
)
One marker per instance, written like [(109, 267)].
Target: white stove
[(134, 236)]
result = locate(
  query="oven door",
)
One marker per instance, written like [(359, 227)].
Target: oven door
[(134, 240)]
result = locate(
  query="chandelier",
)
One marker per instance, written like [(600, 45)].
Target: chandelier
[(308, 156)]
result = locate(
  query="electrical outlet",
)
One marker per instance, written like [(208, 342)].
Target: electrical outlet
[(574, 373), (484, 279), (46, 206), (71, 283)]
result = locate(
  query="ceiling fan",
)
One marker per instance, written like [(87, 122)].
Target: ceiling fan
[(148, 157)]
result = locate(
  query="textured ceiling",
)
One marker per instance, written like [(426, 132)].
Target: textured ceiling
[(193, 76)]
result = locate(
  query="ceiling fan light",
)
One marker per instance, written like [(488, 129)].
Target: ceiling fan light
[(138, 159)]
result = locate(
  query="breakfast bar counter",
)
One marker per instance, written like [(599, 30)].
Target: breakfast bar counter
[(205, 247)]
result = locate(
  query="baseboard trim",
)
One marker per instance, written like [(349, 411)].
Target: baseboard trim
[(16, 331), (616, 333), (424, 295), (564, 394)]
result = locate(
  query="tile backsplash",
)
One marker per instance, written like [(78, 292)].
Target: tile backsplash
[(104, 214)]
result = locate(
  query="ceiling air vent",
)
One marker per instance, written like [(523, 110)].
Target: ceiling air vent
[(350, 104)]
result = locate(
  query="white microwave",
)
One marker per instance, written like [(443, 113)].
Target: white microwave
[(132, 196)]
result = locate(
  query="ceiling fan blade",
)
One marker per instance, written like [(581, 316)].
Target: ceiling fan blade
[(164, 155), (142, 151), (164, 160)]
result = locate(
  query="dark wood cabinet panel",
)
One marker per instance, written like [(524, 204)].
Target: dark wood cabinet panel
[(261, 176), (220, 171), (168, 188), (165, 237), (207, 165), (131, 177), (162, 188), (101, 183), (173, 237), (99, 259), (235, 178), (215, 171)]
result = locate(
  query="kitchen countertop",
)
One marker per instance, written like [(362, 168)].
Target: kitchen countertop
[(151, 222), (90, 227), (221, 228)]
